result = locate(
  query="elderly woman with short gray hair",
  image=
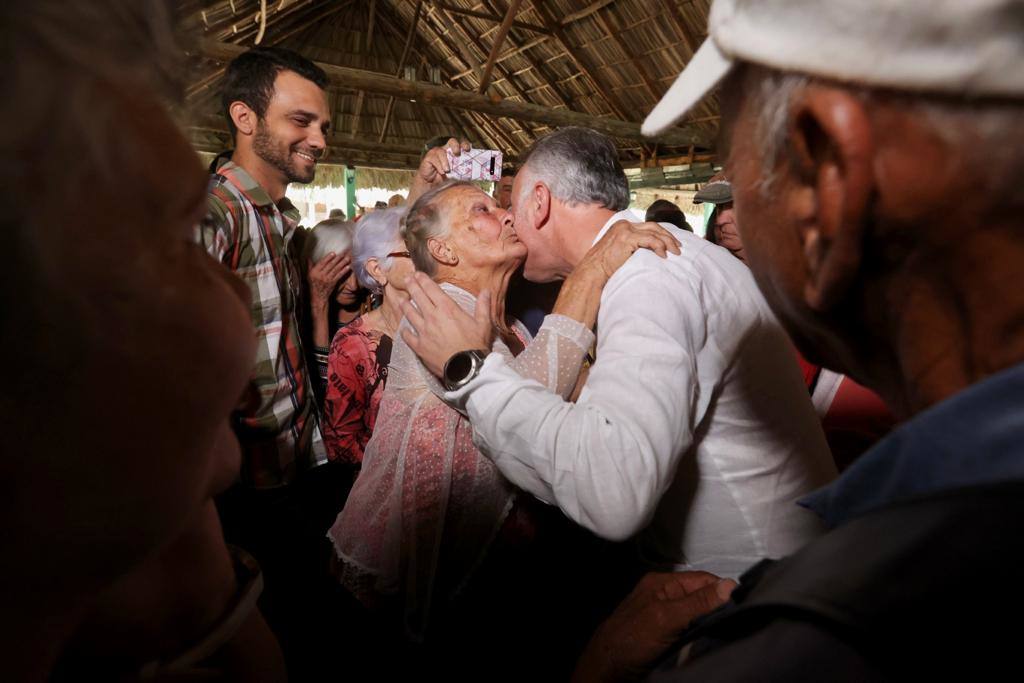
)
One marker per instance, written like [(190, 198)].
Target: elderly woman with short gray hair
[(334, 296), (428, 508), (360, 352)]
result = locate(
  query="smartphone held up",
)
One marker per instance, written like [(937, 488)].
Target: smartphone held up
[(475, 164)]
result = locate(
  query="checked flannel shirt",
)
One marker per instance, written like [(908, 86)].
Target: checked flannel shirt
[(277, 420)]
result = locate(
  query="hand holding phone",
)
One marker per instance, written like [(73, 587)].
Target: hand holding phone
[(475, 164)]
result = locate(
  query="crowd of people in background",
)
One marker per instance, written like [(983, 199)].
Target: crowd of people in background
[(531, 434)]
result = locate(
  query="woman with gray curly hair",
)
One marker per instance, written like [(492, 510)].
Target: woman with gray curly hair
[(360, 352)]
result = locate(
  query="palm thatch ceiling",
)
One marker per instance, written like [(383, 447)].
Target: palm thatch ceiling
[(500, 73)]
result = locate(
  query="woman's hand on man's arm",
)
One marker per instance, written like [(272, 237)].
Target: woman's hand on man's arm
[(580, 296)]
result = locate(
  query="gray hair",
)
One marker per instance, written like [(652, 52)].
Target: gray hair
[(375, 234), (579, 166), (428, 219), (987, 134), (326, 236)]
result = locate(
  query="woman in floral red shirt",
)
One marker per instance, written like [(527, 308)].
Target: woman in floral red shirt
[(357, 367)]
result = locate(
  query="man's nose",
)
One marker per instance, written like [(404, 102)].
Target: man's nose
[(317, 139), (506, 220)]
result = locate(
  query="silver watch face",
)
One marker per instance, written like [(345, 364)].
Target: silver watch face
[(461, 368)]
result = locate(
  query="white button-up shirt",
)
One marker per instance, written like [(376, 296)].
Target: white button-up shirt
[(694, 427)]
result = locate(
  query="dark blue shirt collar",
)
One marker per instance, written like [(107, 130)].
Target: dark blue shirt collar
[(976, 437)]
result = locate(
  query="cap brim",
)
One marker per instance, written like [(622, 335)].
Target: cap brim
[(708, 66)]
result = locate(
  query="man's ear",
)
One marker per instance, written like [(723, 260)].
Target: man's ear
[(442, 252), (244, 118), (831, 151), (540, 198)]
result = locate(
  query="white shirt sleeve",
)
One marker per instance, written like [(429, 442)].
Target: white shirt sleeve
[(607, 459)]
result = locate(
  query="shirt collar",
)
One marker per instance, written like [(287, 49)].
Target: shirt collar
[(970, 439), (241, 179), (626, 215)]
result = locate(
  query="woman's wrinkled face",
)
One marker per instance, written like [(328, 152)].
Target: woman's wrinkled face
[(481, 231)]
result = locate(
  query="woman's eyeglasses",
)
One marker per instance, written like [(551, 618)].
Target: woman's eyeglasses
[(403, 254)]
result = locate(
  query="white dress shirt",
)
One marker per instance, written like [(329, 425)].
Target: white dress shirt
[(694, 427)]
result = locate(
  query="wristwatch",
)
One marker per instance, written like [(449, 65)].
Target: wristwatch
[(462, 367)]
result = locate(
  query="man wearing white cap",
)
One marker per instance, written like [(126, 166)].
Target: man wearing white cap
[(877, 157)]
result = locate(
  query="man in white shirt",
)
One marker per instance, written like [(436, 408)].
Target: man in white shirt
[(694, 426)]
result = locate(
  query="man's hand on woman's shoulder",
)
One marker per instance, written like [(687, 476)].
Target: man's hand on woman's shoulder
[(440, 328)]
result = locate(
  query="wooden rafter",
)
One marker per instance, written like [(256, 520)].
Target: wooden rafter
[(471, 39), (298, 22), (315, 19), (583, 64), (652, 89), (689, 39), (490, 17), (539, 71), (510, 16), (357, 112), (435, 95), (369, 24), (401, 67), (242, 27), (501, 70), (585, 12), (485, 125), (533, 42), (426, 115)]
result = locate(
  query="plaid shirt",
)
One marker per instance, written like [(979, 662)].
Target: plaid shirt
[(277, 421)]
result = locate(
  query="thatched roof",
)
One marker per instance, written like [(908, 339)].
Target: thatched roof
[(499, 72)]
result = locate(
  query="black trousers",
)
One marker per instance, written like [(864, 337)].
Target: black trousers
[(324, 632)]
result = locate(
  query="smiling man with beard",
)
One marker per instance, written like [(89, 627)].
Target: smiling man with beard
[(276, 108)]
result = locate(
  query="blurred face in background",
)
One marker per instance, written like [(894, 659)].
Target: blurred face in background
[(503, 191), (726, 233), (156, 342)]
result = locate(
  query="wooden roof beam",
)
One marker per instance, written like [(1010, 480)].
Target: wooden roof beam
[(534, 42), (472, 39), (689, 39), (490, 17), (436, 95), (510, 15), (561, 96), (314, 18), (652, 89), (358, 111), (241, 26), (585, 12), (583, 64), (485, 127), (401, 66), (299, 22)]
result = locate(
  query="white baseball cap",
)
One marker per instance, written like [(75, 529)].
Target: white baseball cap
[(960, 47)]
